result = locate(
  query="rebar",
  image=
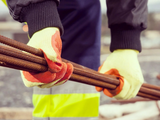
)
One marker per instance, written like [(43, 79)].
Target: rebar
[(14, 58)]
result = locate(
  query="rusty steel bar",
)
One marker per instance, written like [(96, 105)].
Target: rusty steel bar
[(22, 63), (84, 72), (91, 81), (19, 54), (20, 46), (151, 86), (38, 52), (82, 79), (77, 78), (150, 91), (78, 69), (4, 64), (106, 78), (141, 94)]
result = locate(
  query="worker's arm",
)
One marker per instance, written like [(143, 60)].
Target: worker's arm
[(44, 29), (38, 14), (126, 19)]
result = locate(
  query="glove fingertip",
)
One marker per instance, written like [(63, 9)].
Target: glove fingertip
[(60, 74), (69, 68), (54, 66), (68, 72)]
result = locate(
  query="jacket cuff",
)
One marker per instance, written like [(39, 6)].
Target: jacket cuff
[(41, 15), (125, 38)]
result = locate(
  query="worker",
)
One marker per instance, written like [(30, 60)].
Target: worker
[(75, 27)]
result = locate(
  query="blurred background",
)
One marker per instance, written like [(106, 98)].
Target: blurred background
[(13, 93)]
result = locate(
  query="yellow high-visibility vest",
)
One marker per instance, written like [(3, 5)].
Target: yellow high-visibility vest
[(70, 101)]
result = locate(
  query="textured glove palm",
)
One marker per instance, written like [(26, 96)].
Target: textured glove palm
[(127, 67), (48, 40)]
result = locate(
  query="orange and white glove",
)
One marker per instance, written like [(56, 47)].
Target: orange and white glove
[(48, 40), (123, 64)]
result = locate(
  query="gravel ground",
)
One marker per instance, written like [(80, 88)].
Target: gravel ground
[(13, 92)]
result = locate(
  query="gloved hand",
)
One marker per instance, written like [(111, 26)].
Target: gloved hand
[(124, 64), (48, 40)]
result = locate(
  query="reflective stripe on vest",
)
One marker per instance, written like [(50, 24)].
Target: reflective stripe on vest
[(71, 99), (66, 105)]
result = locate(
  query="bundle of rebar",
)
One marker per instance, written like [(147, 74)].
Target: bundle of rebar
[(17, 55)]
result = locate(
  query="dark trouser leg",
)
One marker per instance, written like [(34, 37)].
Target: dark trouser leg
[(82, 30)]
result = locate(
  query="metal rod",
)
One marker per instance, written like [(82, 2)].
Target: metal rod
[(4, 64), (78, 69), (10, 51), (151, 86), (82, 71), (20, 46), (74, 77), (86, 80), (22, 63), (141, 94), (38, 52)]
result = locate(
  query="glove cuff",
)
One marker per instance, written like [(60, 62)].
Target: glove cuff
[(41, 15), (125, 38)]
